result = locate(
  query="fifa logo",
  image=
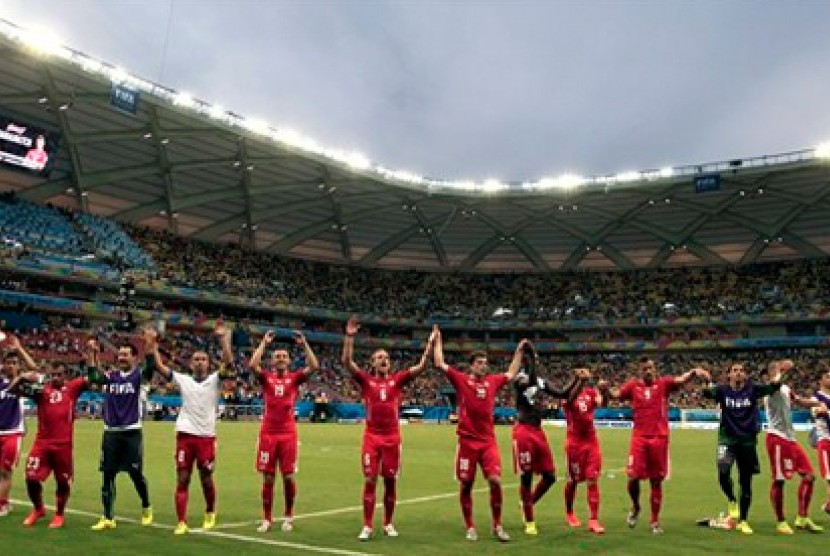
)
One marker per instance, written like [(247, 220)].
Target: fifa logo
[(738, 403)]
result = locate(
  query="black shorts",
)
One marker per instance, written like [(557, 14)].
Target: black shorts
[(745, 455), (122, 451)]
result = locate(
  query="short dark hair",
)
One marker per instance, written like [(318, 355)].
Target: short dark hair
[(478, 354), (645, 359), (11, 355), (130, 346), (59, 366)]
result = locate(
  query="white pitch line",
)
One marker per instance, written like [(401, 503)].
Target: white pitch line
[(418, 500), (220, 534)]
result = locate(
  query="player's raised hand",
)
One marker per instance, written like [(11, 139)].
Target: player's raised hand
[(583, 373), (12, 340), (150, 336), (299, 337), (352, 326), (785, 365), (268, 337), (221, 330)]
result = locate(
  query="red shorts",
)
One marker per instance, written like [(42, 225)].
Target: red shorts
[(190, 448), (472, 453), (531, 451), (10, 450), (648, 457), (824, 458), (786, 457), (584, 460), (381, 455), (277, 448), (45, 458)]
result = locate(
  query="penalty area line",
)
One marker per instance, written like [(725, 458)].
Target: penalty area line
[(221, 534)]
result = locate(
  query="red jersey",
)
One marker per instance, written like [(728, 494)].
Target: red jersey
[(580, 416), (650, 405), (56, 411), (279, 391), (382, 398), (476, 403)]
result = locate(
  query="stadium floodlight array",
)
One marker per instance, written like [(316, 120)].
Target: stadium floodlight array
[(45, 43)]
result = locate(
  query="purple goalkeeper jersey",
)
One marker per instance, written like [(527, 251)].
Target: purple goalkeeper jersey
[(122, 400), (11, 410)]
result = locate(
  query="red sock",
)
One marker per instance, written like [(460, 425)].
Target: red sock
[(181, 503), (656, 500), (209, 490), (467, 504), (3, 502), (267, 501), (495, 503), (570, 495), (593, 499), (368, 503), (61, 497), (776, 497), (35, 491), (289, 493), (389, 499), (527, 502), (805, 494)]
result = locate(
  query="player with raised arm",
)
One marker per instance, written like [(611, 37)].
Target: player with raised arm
[(52, 448), (12, 425), (196, 425), (738, 436), (531, 450), (122, 444), (583, 453), (648, 456), (786, 456), (278, 442), (822, 430), (382, 391), (477, 446)]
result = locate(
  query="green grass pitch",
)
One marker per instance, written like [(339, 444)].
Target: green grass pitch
[(428, 516)]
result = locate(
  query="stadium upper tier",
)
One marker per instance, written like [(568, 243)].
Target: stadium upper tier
[(167, 160)]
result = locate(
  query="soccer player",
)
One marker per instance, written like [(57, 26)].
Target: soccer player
[(196, 425), (52, 448), (583, 453), (648, 456), (12, 426), (531, 451), (477, 446), (122, 445), (382, 391), (823, 429), (278, 443), (786, 456), (738, 436)]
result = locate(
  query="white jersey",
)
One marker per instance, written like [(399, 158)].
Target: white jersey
[(779, 413), (822, 425), (199, 404)]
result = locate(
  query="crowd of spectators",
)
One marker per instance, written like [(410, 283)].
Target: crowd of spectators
[(65, 342), (787, 287), (793, 287)]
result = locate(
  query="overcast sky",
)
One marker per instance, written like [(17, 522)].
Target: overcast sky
[(510, 90)]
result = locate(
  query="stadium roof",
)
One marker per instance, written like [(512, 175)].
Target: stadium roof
[(205, 173)]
